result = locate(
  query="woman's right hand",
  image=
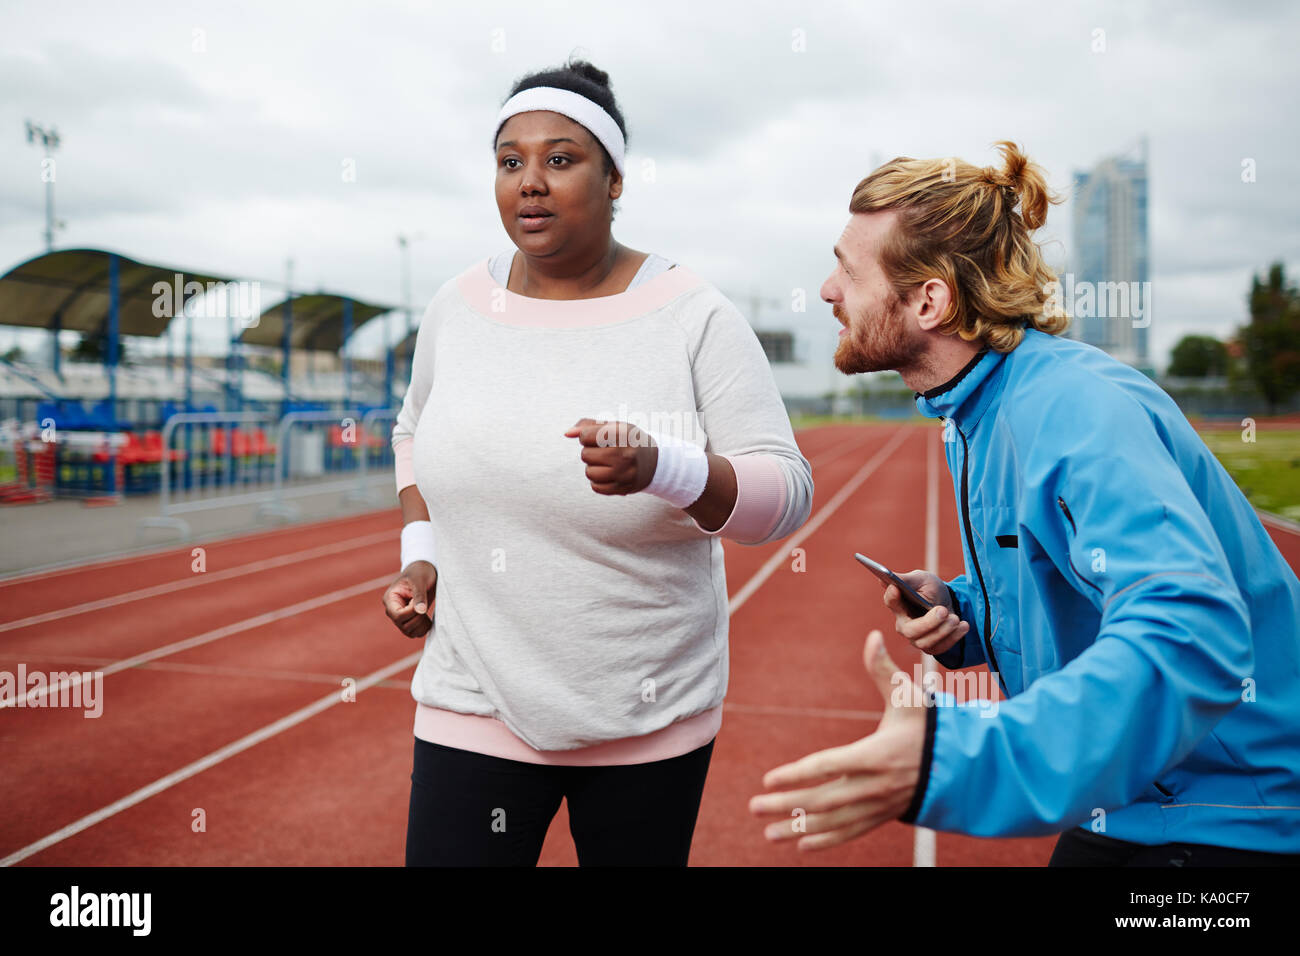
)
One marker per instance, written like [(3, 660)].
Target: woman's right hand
[(936, 630), (409, 599)]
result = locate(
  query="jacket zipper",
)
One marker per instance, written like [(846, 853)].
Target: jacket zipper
[(985, 639), (1065, 509)]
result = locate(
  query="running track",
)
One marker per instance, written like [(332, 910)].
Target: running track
[(222, 688)]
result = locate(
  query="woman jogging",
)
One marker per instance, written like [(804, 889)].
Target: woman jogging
[(584, 422)]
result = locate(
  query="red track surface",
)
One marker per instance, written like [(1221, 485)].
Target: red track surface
[(333, 788)]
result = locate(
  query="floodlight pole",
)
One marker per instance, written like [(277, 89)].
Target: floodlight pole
[(287, 334), (343, 347), (49, 140), (114, 304), (404, 244)]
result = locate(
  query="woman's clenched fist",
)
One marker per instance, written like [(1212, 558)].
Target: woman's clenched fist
[(620, 458)]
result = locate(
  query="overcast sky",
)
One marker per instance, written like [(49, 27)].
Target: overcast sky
[(214, 135)]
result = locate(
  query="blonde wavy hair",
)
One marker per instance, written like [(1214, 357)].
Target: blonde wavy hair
[(958, 222)]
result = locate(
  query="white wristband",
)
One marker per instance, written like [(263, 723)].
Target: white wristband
[(417, 544), (682, 471)]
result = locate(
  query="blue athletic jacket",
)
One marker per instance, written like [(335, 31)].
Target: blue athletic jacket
[(1144, 627)]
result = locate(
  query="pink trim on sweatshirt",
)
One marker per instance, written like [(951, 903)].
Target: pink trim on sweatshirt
[(760, 499), (493, 301), (488, 735), (403, 464)]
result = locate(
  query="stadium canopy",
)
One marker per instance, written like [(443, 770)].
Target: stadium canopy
[(74, 289), (317, 322), (98, 292)]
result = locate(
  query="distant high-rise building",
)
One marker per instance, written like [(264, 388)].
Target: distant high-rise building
[(1108, 289)]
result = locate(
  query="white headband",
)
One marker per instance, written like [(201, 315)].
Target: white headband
[(577, 108)]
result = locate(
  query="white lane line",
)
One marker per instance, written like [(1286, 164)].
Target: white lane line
[(826, 457), (301, 677), (100, 562), (269, 617), (837, 447), (206, 577), (779, 558), (204, 763), (923, 846), (204, 670), (1278, 522)]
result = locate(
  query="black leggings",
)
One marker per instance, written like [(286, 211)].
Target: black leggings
[(470, 809), (1080, 847)]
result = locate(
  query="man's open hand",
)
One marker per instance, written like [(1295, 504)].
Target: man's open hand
[(872, 780)]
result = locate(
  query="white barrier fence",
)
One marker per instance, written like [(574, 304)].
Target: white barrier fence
[(214, 460)]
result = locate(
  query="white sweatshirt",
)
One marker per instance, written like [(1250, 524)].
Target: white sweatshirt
[(577, 618)]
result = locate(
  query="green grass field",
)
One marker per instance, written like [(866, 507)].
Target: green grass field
[(1267, 470), (812, 421)]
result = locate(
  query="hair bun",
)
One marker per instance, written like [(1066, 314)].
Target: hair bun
[(590, 71), (1016, 161), (1024, 181)]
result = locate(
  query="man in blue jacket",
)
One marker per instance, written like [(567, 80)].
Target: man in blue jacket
[(1142, 624)]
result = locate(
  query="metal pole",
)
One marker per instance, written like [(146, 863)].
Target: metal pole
[(49, 211), (347, 362), (189, 356), (230, 348), (113, 303), (49, 140), (225, 396), (237, 356), (388, 360), (54, 344), (405, 246), (285, 334)]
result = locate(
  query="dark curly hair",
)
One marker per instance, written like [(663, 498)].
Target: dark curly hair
[(581, 77)]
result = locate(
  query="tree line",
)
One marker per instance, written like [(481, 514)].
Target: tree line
[(1264, 353)]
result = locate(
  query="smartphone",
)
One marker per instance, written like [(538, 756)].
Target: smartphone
[(916, 605)]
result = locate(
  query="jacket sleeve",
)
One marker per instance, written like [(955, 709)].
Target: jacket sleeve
[(741, 411), (1167, 664), (417, 393), (969, 651)]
